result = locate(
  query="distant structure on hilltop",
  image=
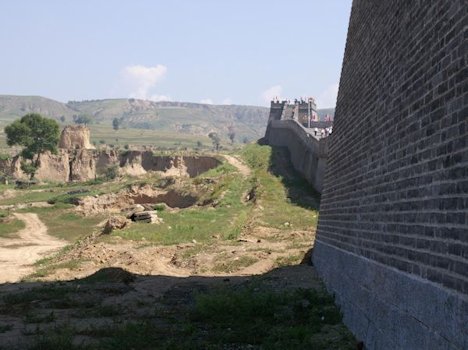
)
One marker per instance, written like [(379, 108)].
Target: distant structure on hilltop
[(297, 127), (304, 111)]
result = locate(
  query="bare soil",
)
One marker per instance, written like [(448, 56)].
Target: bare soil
[(236, 162), (18, 254)]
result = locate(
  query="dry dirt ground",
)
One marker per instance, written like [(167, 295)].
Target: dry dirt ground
[(18, 254), (111, 281), (243, 169)]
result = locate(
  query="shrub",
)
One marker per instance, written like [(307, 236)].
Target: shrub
[(111, 172)]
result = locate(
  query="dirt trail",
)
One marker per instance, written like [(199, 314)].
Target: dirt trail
[(243, 169), (18, 254)]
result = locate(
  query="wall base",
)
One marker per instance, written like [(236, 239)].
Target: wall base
[(389, 309)]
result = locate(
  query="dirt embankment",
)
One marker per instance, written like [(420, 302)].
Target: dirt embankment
[(18, 254)]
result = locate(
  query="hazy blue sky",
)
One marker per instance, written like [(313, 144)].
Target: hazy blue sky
[(231, 51)]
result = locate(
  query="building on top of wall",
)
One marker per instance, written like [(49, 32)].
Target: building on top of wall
[(303, 111)]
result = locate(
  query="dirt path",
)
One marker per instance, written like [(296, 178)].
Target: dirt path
[(18, 254), (243, 169)]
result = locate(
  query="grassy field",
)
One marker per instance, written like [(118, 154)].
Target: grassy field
[(9, 225), (149, 137), (278, 210), (63, 223), (251, 315), (137, 137)]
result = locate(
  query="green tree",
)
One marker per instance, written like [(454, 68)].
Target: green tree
[(36, 135), (116, 124), (231, 133), (82, 119), (215, 140)]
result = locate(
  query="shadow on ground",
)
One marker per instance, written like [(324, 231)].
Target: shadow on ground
[(286, 308), (299, 191)]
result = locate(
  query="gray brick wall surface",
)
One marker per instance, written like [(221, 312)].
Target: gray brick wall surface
[(396, 185)]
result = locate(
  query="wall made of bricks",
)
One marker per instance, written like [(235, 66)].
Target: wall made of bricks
[(396, 185)]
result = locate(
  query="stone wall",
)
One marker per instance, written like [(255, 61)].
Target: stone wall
[(392, 241), (308, 154)]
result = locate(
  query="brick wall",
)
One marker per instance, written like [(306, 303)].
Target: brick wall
[(396, 185)]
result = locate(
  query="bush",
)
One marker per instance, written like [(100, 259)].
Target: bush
[(111, 172), (160, 207)]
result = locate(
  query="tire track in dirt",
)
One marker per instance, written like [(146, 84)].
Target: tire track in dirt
[(33, 243)]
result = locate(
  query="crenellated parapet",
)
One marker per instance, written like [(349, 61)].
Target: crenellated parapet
[(308, 151)]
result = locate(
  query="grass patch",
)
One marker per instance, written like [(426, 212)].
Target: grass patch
[(45, 267), (60, 338), (223, 264), (35, 318), (5, 328), (9, 226), (44, 293), (289, 260), (272, 320), (278, 209), (63, 223)]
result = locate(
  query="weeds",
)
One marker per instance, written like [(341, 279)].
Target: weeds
[(226, 265)]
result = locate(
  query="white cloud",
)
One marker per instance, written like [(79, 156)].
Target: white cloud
[(207, 101), (159, 98), (271, 93), (327, 98), (226, 101), (139, 80)]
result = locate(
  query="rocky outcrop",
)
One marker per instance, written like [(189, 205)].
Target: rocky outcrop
[(82, 165), (53, 167), (75, 137), (106, 159), (85, 164)]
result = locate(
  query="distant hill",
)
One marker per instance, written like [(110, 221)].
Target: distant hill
[(249, 122), (12, 107), (183, 117)]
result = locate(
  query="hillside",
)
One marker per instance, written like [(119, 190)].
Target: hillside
[(12, 107), (182, 118), (189, 118)]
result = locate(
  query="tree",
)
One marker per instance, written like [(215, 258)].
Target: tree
[(231, 133), (62, 119), (215, 140), (82, 119), (116, 124), (37, 135)]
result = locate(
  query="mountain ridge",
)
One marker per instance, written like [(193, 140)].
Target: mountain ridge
[(249, 122)]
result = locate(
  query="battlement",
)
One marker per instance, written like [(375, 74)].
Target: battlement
[(304, 111)]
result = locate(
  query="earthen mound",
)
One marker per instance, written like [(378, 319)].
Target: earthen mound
[(75, 137)]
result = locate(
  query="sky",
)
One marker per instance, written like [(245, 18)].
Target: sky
[(209, 51)]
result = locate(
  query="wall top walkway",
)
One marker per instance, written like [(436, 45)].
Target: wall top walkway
[(319, 144)]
